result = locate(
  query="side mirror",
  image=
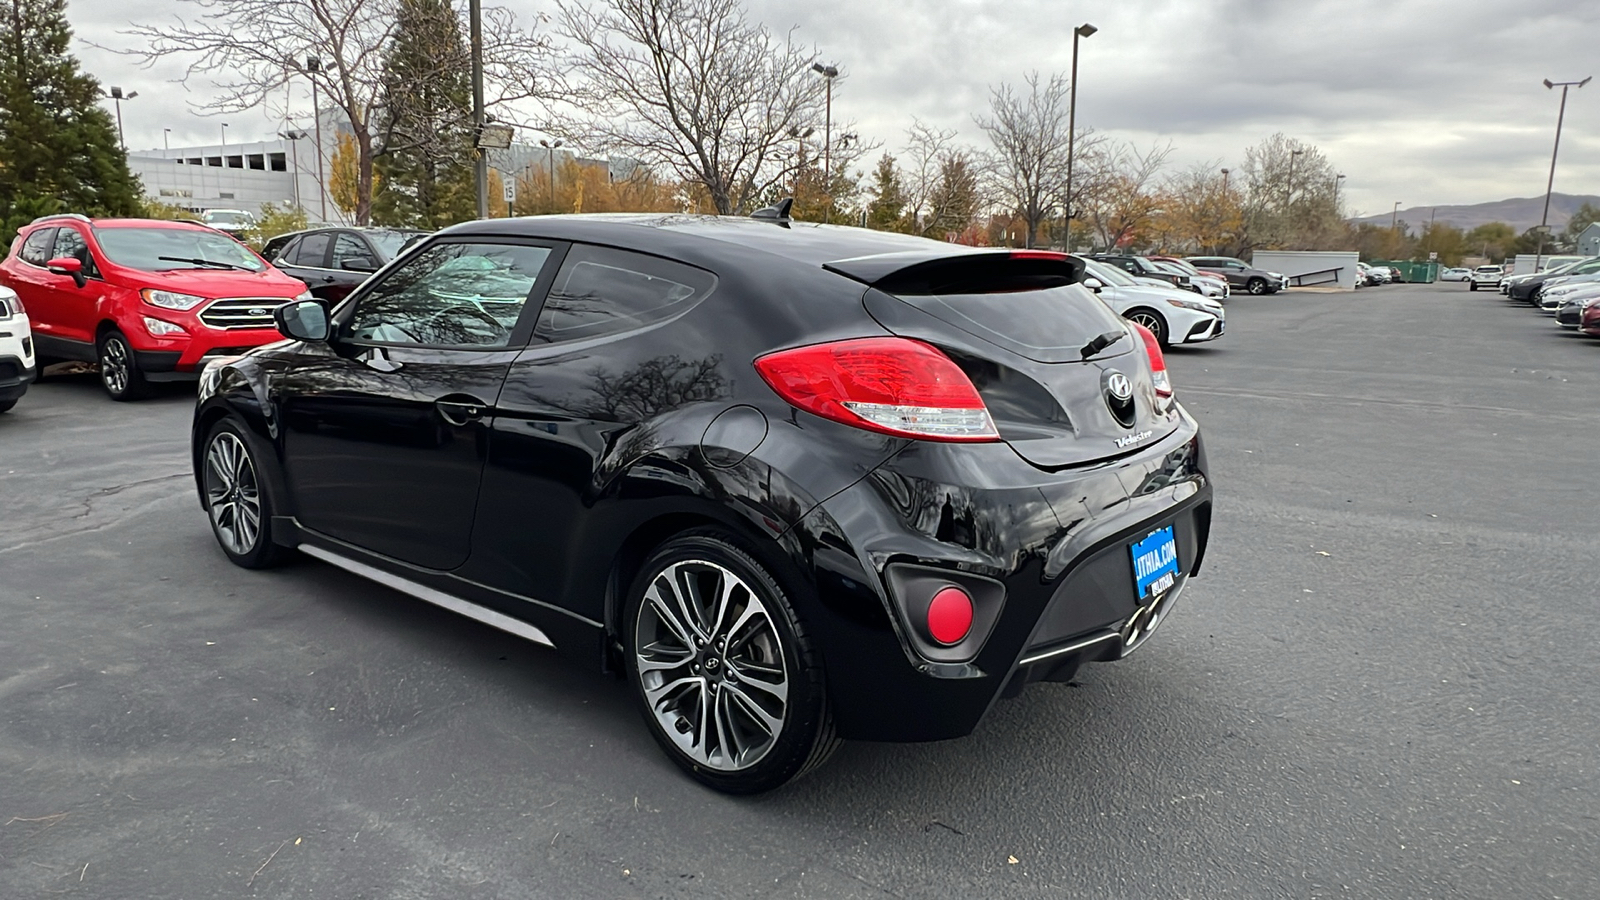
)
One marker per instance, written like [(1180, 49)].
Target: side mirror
[(68, 265), (1093, 284), (359, 264), (303, 320)]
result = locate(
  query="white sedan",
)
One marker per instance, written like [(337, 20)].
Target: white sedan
[(1456, 273), (1173, 315)]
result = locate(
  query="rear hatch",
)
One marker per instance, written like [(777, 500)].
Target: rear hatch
[(1028, 335)]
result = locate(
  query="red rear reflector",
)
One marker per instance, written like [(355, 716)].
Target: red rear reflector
[(950, 615), (1158, 361), (891, 385)]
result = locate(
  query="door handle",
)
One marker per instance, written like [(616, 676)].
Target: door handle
[(327, 279), (460, 410)]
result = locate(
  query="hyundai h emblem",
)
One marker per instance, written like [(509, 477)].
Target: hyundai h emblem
[(1119, 387)]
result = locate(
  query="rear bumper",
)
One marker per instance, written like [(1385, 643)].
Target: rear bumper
[(1055, 544)]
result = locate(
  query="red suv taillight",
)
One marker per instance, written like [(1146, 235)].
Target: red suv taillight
[(1158, 362), (891, 385)]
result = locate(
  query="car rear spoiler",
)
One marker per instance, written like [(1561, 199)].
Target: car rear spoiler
[(920, 271)]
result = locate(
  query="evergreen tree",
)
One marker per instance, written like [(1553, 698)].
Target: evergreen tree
[(424, 162), (887, 207), (58, 147)]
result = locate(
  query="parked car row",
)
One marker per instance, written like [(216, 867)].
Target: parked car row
[(151, 300), (1368, 275), (1570, 292)]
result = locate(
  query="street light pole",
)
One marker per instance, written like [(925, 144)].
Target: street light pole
[(829, 73), (1289, 193), (1336, 180), (1393, 213), (1082, 31), (117, 97), (224, 135), (550, 149), (313, 67), (1544, 220), (294, 138), (166, 135)]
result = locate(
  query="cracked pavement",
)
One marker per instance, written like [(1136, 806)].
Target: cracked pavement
[(1381, 686)]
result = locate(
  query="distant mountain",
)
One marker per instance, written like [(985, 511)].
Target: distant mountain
[(1520, 213)]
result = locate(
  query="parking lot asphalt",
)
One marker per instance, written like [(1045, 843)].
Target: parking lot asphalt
[(1381, 686)]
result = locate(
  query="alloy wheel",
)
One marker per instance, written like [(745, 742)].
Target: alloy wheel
[(1152, 322), (711, 665), (114, 365), (233, 493)]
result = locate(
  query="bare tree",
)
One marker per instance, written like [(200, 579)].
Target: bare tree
[(691, 85), (1121, 193), (251, 48), (1289, 197), (1029, 134)]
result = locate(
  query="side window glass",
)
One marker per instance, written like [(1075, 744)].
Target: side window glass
[(70, 243), (451, 295), (36, 249), (279, 248), (312, 251), (348, 246), (601, 291)]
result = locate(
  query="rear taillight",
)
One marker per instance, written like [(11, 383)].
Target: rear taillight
[(1158, 363), (891, 385)]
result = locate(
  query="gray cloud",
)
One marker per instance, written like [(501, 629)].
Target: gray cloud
[(1425, 101)]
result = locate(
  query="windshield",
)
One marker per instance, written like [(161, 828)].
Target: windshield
[(1111, 274), (188, 248), (390, 243), (227, 217)]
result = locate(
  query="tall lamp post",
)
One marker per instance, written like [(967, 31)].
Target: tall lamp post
[(1288, 195), (294, 138), (313, 68), (1082, 31), (166, 138), (117, 96), (1544, 220), (550, 150), (1336, 180), (1393, 214), (224, 134), (829, 73)]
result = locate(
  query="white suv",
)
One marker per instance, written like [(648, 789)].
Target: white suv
[(1487, 276), (16, 349)]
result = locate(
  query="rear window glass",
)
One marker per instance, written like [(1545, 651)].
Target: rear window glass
[(165, 249), (1040, 317), (601, 291), (36, 249)]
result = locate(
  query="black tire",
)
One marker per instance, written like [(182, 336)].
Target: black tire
[(230, 474), (119, 368), (1472, 286), (1152, 320), (690, 664), (5, 405), (1256, 286)]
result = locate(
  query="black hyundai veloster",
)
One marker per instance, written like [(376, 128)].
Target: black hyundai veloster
[(796, 483)]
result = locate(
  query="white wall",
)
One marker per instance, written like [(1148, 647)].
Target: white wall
[(1304, 262)]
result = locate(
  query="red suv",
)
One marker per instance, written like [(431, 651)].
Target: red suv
[(146, 299)]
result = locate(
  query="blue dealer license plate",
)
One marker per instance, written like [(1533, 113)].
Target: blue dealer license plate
[(1155, 562)]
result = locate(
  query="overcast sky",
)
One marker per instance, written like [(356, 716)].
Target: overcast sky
[(1421, 101)]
